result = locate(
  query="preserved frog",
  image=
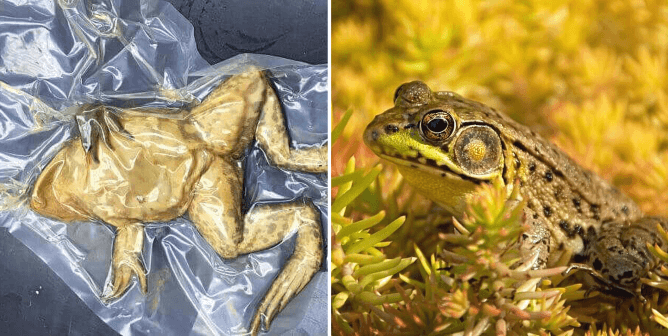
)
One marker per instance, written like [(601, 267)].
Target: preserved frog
[(135, 166)]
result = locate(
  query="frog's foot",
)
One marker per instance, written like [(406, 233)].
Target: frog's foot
[(302, 265), (294, 277), (603, 284), (95, 124), (126, 262), (122, 271)]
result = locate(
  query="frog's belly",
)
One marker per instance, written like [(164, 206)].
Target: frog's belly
[(129, 184)]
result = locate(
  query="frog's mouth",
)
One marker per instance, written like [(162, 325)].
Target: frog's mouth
[(430, 166)]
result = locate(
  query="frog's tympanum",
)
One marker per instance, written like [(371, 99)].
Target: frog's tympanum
[(445, 145), (134, 166)]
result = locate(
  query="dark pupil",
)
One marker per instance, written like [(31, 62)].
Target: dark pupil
[(437, 125)]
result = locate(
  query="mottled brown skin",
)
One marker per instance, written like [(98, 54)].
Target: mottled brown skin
[(135, 166), (568, 207)]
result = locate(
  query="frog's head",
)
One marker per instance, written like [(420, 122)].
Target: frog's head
[(441, 143)]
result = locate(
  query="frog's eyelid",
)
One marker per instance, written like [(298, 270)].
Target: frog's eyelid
[(396, 93)]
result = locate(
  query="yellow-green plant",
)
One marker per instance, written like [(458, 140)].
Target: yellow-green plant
[(359, 269)]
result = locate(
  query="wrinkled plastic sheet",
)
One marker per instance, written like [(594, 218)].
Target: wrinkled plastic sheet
[(54, 56)]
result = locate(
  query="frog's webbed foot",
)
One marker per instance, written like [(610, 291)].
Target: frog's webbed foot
[(294, 277), (126, 262), (603, 284), (95, 124)]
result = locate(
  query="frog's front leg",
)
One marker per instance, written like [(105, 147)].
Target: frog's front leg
[(272, 136), (216, 212), (617, 256), (95, 124), (534, 244), (126, 260)]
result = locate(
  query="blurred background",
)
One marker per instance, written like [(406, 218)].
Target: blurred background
[(33, 299)]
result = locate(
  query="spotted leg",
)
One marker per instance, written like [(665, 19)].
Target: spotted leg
[(534, 244), (216, 212), (272, 136), (126, 261), (617, 256)]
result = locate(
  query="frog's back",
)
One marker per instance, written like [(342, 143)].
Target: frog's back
[(154, 160), (144, 178)]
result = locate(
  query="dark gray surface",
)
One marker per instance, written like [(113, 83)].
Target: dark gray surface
[(33, 299), (290, 29)]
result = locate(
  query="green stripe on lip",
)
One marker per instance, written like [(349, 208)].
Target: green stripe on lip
[(442, 172)]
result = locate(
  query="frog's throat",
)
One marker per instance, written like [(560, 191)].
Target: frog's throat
[(448, 189)]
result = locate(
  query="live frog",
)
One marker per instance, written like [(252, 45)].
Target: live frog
[(446, 145), (135, 166)]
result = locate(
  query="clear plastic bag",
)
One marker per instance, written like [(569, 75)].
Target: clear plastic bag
[(140, 56)]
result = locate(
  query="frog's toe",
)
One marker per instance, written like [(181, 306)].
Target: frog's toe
[(285, 287), (120, 283), (122, 277)]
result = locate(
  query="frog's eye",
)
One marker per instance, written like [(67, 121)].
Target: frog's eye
[(478, 150), (437, 125)]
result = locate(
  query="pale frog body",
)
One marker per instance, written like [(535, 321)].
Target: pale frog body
[(137, 166), (445, 146)]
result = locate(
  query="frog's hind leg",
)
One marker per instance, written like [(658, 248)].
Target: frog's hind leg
[(617, 256), (215, 211), (268, 225), (126, 261)]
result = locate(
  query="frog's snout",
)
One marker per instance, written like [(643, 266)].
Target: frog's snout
[(372, 133), (383, 126)]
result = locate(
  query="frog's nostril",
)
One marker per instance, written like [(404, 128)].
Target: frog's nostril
[(390, 129), (374, 135)]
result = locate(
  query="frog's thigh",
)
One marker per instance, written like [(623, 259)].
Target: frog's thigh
[(215, 209)]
